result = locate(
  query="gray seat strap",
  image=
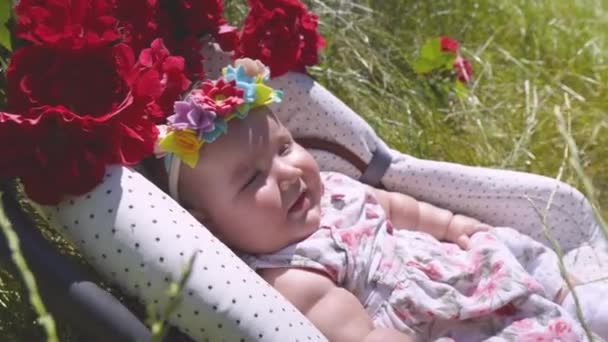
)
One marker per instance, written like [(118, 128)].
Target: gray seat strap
[(380, 162)]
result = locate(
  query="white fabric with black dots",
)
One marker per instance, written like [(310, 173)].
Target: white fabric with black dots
[(140, 239)]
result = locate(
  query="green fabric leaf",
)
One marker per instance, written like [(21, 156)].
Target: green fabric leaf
[(431, 50), (423, 66), (5, 16), (432, 58)]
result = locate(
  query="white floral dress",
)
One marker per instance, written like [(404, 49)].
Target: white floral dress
[(499, 290)]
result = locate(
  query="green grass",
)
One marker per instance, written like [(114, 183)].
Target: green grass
[(527, 57)]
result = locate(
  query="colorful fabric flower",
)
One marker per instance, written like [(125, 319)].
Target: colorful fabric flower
[(244, 81), (185, 144), (222, 97), (205, 113), (191, 114)]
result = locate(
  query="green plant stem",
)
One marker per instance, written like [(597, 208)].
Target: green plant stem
[(45, 318), (575, 162), (158, 326), (557, 248)]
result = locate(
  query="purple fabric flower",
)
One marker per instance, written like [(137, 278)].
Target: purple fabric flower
[(192, 114)]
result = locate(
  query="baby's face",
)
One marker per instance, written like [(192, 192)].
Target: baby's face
[(256, 189)]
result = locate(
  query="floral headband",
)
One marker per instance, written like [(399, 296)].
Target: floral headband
[(204, 114)]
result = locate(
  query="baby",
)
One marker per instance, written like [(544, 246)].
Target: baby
[(362, 264)]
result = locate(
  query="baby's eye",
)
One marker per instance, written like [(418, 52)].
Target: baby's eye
[(251, 179), (285, 148)]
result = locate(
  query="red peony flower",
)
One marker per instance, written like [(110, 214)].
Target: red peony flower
[(448, 44), (282, 34), (77, 114), (227, 37), (55, 148), (463, 69), (182, 23), (191, 17), (71, 150), (160, 77), (70, 24), (138, 22), (220, 97), (88, 80)]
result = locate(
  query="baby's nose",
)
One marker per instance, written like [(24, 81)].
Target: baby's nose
[(289, 176)]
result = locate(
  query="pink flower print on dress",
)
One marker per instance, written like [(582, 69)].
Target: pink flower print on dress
[(523, 325), (337, 201), (450, 248), (559, 330), (385, 266), (533, 285), (371, 214), (498, 271), (487, 290), (476, 263), (352, 237), (562, 330), (431, 269), (403, 314)]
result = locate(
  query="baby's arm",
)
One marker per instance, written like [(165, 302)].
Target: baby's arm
[(333, 310), (407, 212)]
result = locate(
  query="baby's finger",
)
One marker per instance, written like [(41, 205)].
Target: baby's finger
[(476, 227), (464, 242), (482, 227)]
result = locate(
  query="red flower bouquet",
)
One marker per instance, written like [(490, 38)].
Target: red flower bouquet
[(282, 34), (92, 77)]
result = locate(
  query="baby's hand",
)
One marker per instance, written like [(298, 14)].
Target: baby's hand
[(461, 228)]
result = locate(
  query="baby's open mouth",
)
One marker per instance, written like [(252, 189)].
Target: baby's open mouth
[(299, 203)]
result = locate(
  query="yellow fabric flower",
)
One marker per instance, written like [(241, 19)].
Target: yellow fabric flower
[(185, 144)]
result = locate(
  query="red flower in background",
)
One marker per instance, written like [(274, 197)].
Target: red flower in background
[(83, 100), (463, 69), (282, 34), (182, 23), (448, 44), (61, 153), (160, 77), (70, 24), (86, 80), (462, 66), (138, 22)]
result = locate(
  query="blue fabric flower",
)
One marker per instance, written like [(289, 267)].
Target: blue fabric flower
[(221, 127)]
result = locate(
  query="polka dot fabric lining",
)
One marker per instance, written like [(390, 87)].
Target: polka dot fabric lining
[(136, 236), (139, 238)]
